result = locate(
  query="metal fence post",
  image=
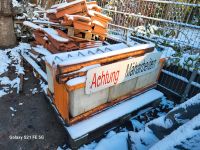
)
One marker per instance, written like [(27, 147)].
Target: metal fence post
[(189, 85)]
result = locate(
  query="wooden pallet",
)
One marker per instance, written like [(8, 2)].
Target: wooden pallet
[(96, 134)]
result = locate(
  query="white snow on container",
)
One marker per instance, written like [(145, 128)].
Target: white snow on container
[(59, 58)]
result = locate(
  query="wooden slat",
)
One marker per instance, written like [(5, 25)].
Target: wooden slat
[(61, 99), (70, 68), (107, 105)]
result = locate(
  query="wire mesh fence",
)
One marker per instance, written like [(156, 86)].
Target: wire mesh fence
[(170, 22)]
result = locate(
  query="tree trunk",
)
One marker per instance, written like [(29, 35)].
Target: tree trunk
[(7, 34)]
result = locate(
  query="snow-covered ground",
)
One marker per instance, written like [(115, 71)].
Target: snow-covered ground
[(11, 69), (11, 60), (148, 138), (118, 140), (184, 137)]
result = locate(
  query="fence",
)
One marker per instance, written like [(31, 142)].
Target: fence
[(165, 22), (179, 82), (168, 22)]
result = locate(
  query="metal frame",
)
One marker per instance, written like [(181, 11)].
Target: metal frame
[(127, 16)]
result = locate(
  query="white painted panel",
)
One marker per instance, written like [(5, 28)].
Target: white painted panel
[(122, 89), (80, 102), (147, 79), (109, 75)]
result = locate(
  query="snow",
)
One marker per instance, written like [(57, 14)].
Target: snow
[(44, 86), (20, 104), (180, 136), (145, 139), (91, 6), (10, 58), (193, 101), (137, 125), (15, 3), (90, 146), (41, 50), (180, 78), (58, 5), (32, 25), (116, 50), (167, 52), (104, 117), (167, 103), (91, 13), (35, 66), (76, 81), (13, 83), (12, 109), (114, 142), (146, 30), (51, 11), (34, 91), (64, 5), (71, 17), (54, 34), (5, 61), (108, 54), (51, 32), (82, 79), (189, 36), (162, 122), (100, 14), (58, 58), (166, 123), (44, 22)]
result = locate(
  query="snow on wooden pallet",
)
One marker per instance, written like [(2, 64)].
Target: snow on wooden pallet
[(111, 53), (41, 50), (35, 66), (88, 54), (69, 56), (113, 113)]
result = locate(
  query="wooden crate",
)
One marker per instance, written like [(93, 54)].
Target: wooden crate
[(63, 93)]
